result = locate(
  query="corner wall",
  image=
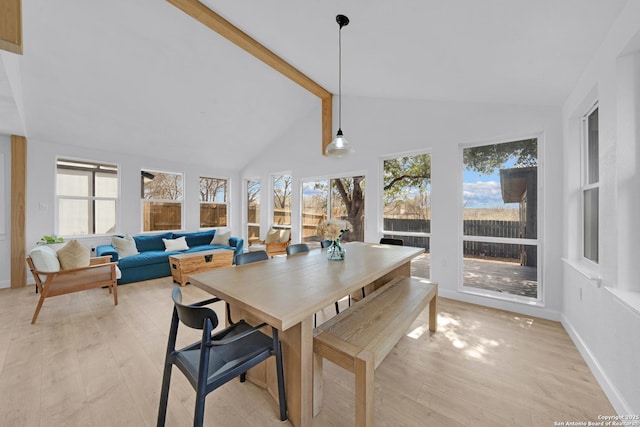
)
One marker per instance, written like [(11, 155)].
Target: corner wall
[(604, 319)]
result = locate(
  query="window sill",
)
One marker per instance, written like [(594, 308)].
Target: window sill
[(630, 299), (586, 270)]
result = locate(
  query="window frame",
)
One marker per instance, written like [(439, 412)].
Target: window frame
[(246, 207), (381, 228), (143, 200), (539, 301), (329, 179), (227, 185), (586, 186), (92, 198)]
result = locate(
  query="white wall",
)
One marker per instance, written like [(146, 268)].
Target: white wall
[(5, 211), (381, 127), (604, 320), (40, 203)]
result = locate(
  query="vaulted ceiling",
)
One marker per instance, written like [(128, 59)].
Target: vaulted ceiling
[(142, 77)]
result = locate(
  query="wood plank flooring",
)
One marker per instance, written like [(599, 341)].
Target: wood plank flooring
[(89, 363)]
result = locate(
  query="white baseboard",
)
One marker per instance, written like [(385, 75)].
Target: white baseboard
[(5, 284), (617, 401), (534, 311)]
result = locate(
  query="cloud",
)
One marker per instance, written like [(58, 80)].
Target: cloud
[(482, 194)]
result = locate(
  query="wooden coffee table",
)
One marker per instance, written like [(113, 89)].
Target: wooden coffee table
[(196, 262)]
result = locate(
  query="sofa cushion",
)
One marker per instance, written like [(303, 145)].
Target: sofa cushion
[(146, 258), (74, 255), (151, 242), (179, 244), (45, 259), (125, 246), (221, 238), (198, 238)]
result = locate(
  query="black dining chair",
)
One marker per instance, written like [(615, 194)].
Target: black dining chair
[(325, 243), (298, 248), (391, 241), (217, 358), (248, 257)]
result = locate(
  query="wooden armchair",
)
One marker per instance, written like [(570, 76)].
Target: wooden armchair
[(99, 274), (276, 242)]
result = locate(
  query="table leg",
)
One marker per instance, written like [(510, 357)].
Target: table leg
[(297, 348)]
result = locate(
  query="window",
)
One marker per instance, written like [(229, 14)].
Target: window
[(213, 202), (338, 198), (282, 199), (590, 185), (407, 199), (161, 200), (253, 210), (87, 196), (500, 245)]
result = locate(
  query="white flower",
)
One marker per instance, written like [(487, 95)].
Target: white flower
[(332, 229)]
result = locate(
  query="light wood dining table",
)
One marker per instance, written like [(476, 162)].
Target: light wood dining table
[(285, 292)]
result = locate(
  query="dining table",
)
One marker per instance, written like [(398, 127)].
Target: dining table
[(286, 291)]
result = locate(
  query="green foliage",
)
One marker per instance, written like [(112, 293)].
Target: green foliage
[(404, 174), (48, 239), (486, 159)]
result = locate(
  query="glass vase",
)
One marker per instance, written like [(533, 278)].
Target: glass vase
[(335, 251)]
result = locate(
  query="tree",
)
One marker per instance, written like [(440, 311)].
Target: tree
[(406, 185), (351, 193), (282, 198), (211, 187), (486, 159)]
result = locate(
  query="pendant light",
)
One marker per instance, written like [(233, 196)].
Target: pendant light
[(339, 146)]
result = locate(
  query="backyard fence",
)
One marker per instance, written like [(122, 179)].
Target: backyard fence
[(489, 228)]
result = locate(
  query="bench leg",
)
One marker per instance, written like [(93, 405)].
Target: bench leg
[(433, 314), (364, 389), (317, 384)]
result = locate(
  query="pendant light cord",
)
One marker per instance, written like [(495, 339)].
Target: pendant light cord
[(340, 78)]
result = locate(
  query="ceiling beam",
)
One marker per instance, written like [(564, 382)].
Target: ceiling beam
[(217, 23)]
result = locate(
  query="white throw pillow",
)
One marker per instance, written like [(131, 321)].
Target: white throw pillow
[(125, 246), (221, 238), (273, 236), (45, 259), (179, 244)]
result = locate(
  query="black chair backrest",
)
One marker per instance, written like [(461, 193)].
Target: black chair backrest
[(247, 257), (297, 248), (325, 243), (193, 317), (389, 241)]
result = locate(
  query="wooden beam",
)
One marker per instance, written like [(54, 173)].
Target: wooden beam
[(217, 23), (11, 26), (18, 210)]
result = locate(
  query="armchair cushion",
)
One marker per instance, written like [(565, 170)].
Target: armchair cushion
[(74, 255), (125, 246), (45, 259), (273, 236)]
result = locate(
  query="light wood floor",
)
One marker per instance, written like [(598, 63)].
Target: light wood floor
[(89, 363)]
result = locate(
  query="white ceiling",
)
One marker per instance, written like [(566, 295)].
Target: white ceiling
[(142, 77)]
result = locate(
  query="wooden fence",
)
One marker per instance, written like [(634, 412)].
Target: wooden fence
[(489, 228)]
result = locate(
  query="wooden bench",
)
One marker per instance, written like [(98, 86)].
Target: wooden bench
[(359, 338)]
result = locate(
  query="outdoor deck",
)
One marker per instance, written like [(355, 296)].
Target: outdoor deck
[(498, 276)]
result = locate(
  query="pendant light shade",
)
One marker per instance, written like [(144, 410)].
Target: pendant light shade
[(339, 146)]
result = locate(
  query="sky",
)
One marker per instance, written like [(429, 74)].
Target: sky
[(483, 191)]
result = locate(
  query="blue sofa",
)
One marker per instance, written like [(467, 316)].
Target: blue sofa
[(153, 261)]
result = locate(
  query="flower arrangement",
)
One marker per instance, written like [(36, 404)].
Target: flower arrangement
[(333, 229)]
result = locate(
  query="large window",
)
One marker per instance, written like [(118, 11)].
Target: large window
[(590, 185), (87, 196), (406, 200), (213, 202), (500, 219), (282, 199), (162, 195), (337, 198), (253, 210)]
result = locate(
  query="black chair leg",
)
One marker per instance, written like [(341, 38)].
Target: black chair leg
[(280, 373), (243, 377), (164, 394), (337, 308), (363, 295)]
